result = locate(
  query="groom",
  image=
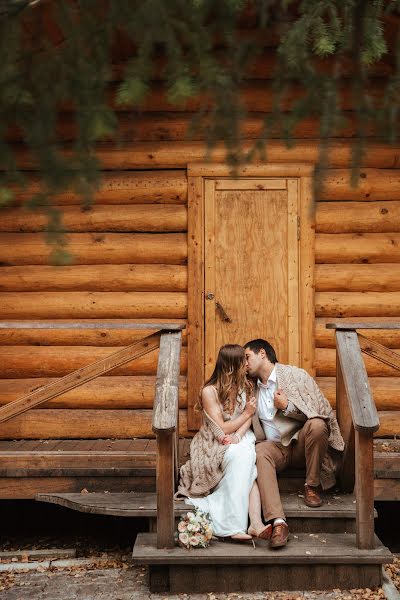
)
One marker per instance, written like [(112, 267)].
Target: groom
[(294, 426)]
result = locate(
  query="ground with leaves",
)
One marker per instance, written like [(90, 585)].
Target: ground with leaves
[(113, 577)]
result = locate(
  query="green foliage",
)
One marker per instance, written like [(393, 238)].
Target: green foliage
[(56, 58)]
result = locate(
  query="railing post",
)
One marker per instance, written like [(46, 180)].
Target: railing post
[(343, 413), (165, 489), (364, 490), (353, 387), (165, 426)]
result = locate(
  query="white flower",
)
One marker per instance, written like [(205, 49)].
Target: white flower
[(190, 515), (184, 538)]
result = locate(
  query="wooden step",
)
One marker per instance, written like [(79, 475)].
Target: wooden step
[(337, 514), (307, 562)]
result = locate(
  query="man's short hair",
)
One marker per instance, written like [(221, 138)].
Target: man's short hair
[(256, 345)]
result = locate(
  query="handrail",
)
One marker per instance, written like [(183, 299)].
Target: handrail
[(89, 372), (358, 418), (166, 428), (361, 402)]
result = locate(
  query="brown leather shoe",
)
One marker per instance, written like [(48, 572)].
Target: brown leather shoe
[(280, 534), (312, 497)]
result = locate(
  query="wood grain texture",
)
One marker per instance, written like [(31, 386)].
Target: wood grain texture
[(357, 248), (158, 155), (382, 277), (325, 338), (56, 361), (306, 274), (84, 374), (103, 335), (385, 391), (95, 278), (350, 304), (235, 282), (96, 305), (97, 248), (123, 187), (110, 392), (196, 297), (351, 217), (372, 185), (88, 424), (325, 365), (355, 382), (364, 490), (165, 410), (102, 218)]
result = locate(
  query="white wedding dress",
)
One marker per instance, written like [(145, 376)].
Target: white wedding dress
[(228, 504)]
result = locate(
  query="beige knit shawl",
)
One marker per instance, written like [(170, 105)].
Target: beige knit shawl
[(303, 391), (200, 474)]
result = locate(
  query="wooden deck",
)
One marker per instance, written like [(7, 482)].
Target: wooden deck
[(31, 467), (309, 561)]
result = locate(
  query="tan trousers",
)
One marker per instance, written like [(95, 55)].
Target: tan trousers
[(272, 458)]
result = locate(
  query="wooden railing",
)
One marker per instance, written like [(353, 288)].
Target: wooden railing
[(358, 417), (168, 337), (89, 372), (166, 428)]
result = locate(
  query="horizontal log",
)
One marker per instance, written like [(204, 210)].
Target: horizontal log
[(87, 424), (92, 305), (356, 278), (111, 392), (357, 248), (27, 361), (350, 304), (256, 95), (325, 338), (354, 217), (81, 337), (94, 278), (174, 127), (96, 248), (385, 391), (389, 423), (157, 218), (157, 155), (263, 65), (372, 185), (325, 364), (122, 187)]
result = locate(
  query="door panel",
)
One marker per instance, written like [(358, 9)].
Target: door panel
[(251, 265), (251, 256)]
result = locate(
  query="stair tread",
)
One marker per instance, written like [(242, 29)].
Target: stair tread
[(303, 548), (145, 504)]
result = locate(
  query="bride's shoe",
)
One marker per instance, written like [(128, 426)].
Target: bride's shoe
[(241, 537), (264, 534)]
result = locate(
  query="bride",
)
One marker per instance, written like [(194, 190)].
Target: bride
[(220, 477)]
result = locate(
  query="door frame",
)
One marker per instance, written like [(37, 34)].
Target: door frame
[(197, 174)]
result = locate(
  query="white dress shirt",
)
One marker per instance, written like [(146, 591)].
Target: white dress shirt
[(266, 407)]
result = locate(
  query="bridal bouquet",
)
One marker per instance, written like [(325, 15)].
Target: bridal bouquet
[(194, 530)]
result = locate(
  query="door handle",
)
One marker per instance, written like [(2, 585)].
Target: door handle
[(222, 313)]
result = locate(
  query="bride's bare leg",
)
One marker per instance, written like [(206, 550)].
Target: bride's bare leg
[(256, 524)]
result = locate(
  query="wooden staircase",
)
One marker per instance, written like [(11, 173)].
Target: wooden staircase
[(333, 546)]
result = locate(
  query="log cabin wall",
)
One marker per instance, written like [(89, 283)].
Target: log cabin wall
[(130, 254)]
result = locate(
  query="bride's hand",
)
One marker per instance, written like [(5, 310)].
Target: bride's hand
[(251, 406), (231, 438)]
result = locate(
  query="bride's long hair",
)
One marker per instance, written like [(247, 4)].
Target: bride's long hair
[(229, 372)]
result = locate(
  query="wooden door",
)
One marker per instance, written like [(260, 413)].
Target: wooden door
[(251, 259), (251, 265)]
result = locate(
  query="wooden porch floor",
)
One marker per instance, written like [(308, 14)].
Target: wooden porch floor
[(29, 467)]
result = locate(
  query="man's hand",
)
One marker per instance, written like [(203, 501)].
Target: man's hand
[(251, 406), (280, 399)]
